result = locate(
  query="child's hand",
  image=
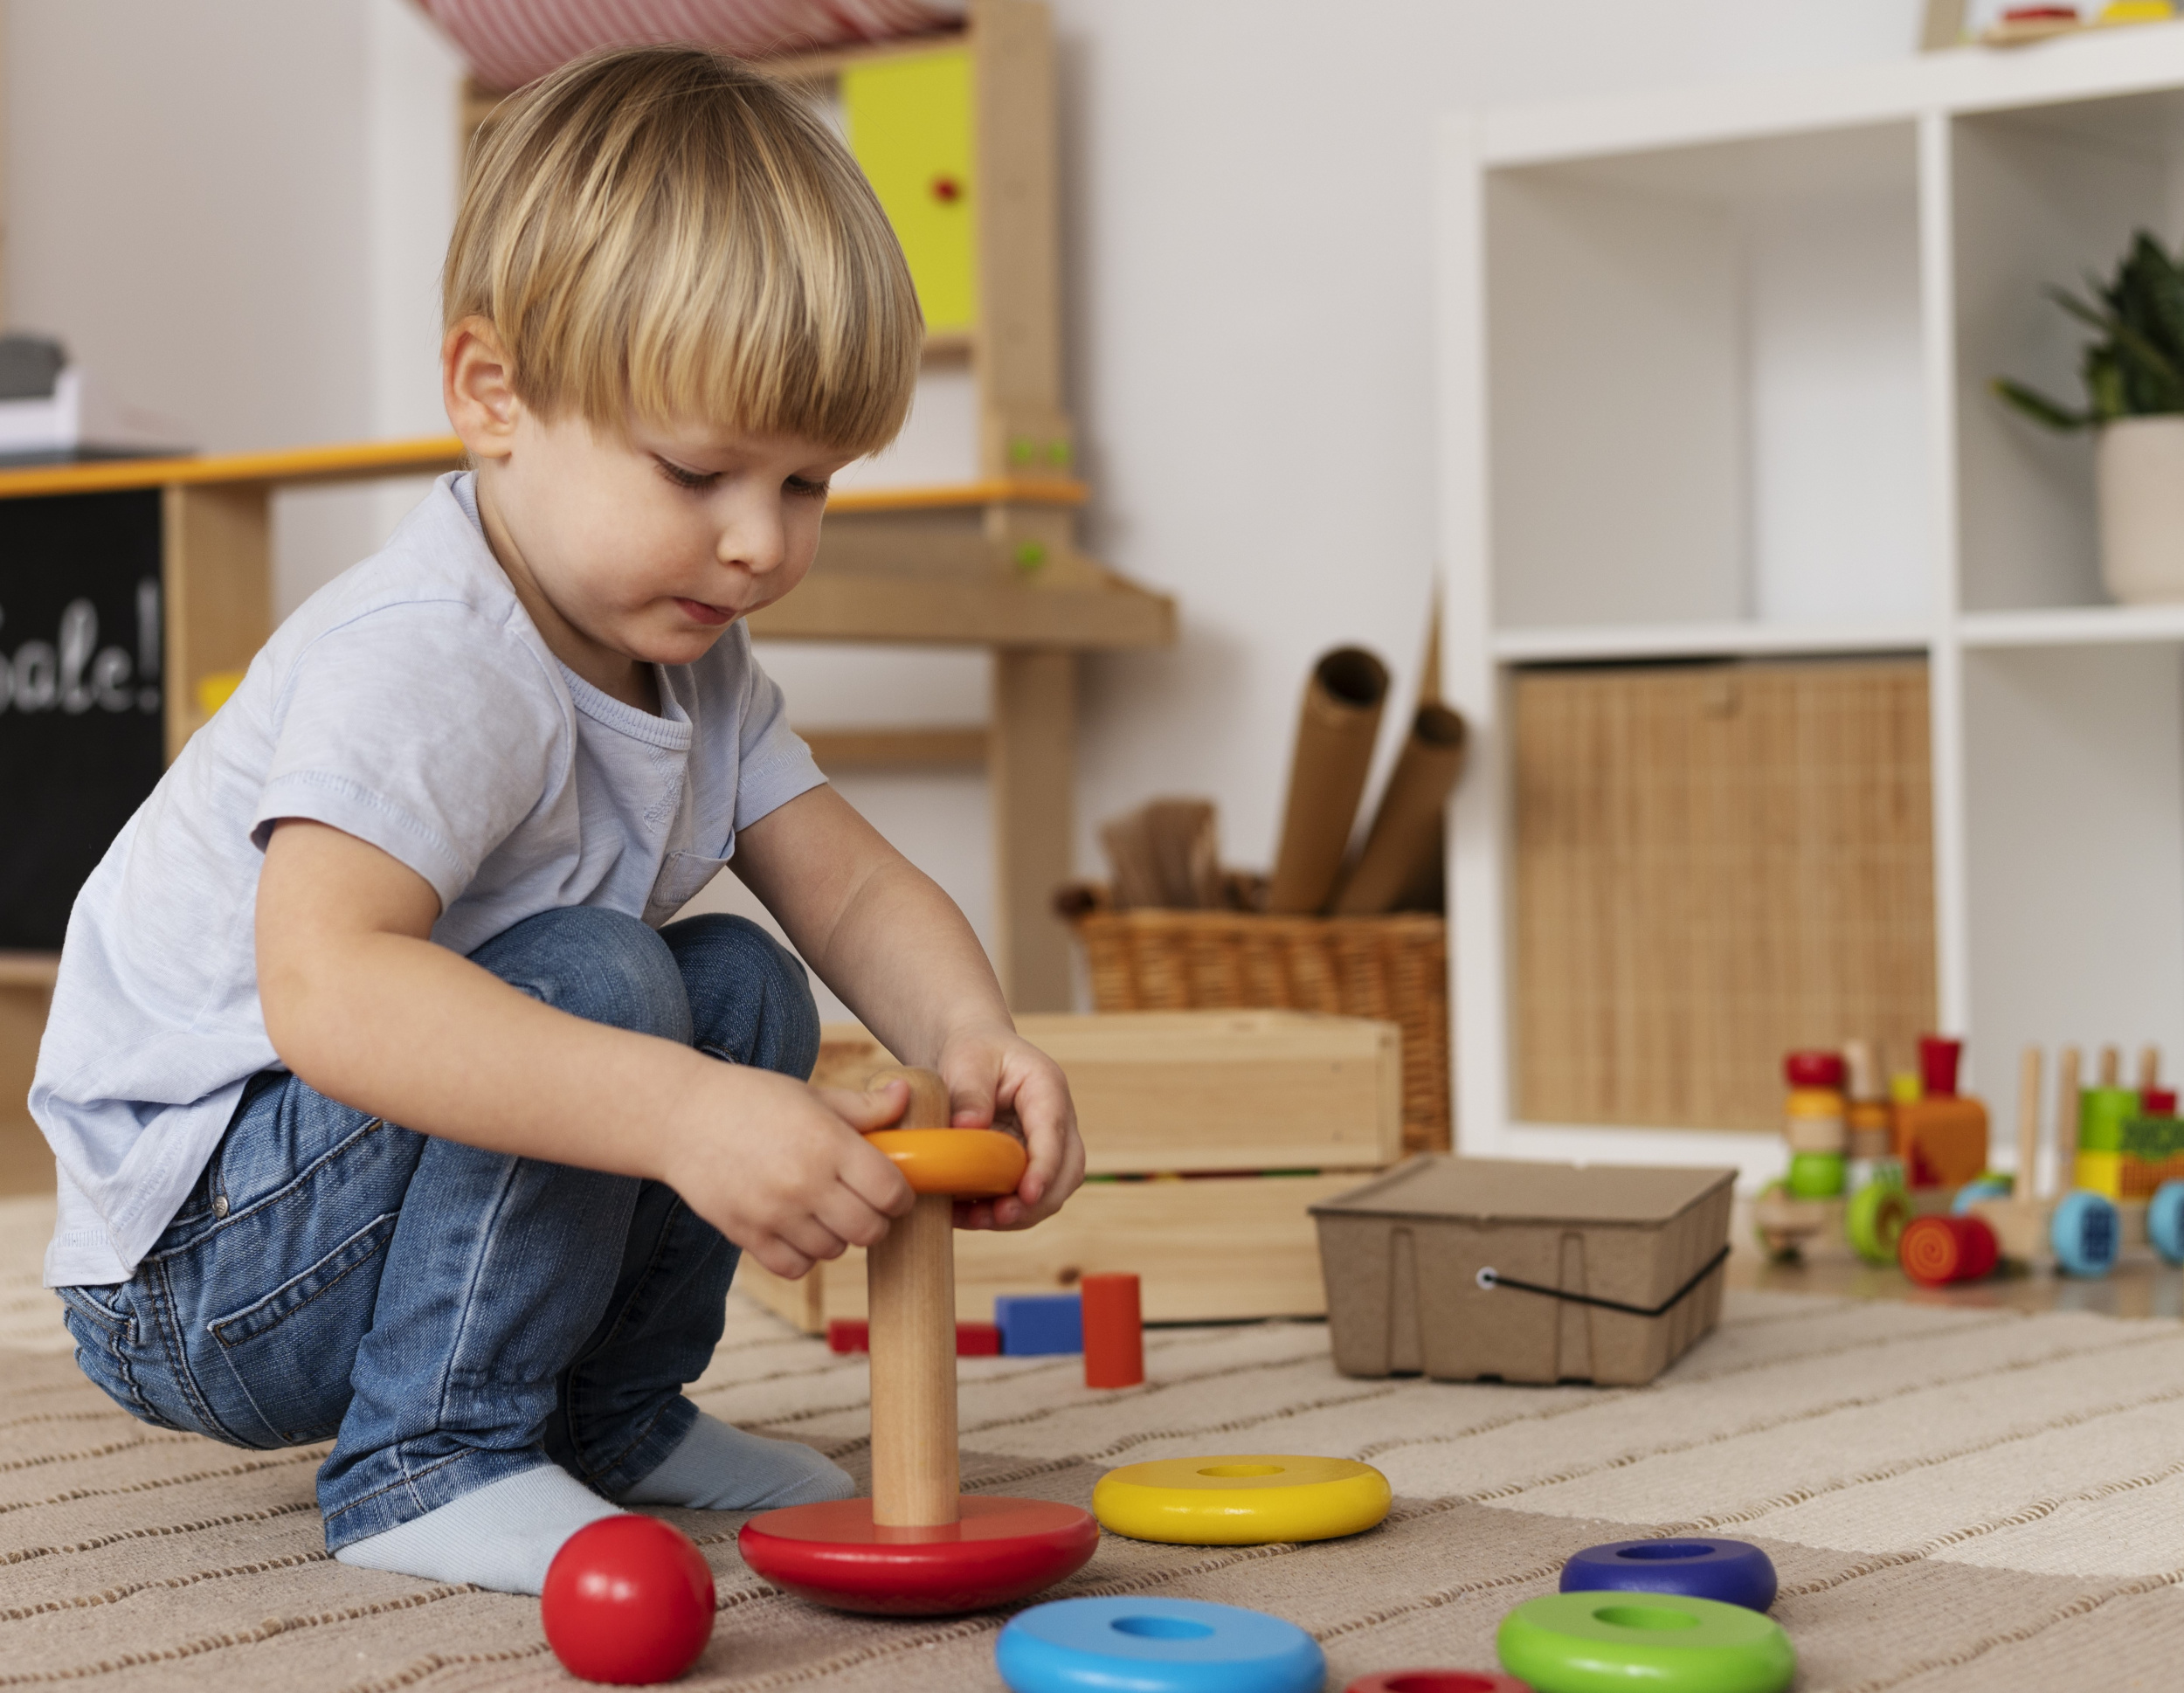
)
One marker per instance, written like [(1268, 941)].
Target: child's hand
[(994, 1076), (789, 1176)]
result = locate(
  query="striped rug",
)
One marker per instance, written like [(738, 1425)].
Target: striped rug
[(1956, 1499)]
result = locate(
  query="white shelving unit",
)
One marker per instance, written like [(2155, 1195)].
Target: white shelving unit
[(1713, 368)]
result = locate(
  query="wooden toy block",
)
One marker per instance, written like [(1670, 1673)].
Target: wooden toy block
[(1114, 1332), (1205, 1090), (1039, 1325), (1942, 1141), (917, 1547), (845, 1334), (1218, 1250)]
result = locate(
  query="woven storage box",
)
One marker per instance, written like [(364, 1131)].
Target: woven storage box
[(1461, 1268), (1394, 968)]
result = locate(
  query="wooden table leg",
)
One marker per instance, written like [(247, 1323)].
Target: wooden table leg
[(1031, 764), (217, 579)]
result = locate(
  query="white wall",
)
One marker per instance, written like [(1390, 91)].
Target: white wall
[(233, 210)]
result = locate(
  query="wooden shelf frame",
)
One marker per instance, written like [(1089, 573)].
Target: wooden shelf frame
[(1979, 176)]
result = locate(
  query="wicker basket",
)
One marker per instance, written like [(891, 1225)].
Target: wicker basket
[(1394, 968)]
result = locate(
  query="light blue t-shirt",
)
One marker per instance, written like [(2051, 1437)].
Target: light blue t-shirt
[(411, 703)]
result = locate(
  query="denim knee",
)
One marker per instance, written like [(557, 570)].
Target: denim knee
[(750, 998), (598, 965)]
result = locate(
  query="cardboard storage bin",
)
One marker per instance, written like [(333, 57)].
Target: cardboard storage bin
[(1469, 1267)]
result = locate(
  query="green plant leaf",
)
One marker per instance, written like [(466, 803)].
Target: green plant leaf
[(2039, 407), (2151, 381)]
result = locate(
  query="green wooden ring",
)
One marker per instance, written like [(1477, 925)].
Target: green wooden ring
[(1873, 1220), (1602, 1642)]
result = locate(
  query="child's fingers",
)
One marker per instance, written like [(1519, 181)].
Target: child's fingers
[(780, 1257), (874, 1109), (854, 1219), (871, 1176), (808, 1235), (970, 1087)]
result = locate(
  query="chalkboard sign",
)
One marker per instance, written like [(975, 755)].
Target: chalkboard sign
[(82, 740)]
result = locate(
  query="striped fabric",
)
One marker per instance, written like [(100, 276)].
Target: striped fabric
[(1958, 1499), (509, 43)]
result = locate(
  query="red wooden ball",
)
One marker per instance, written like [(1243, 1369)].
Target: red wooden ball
[(628, 1600)]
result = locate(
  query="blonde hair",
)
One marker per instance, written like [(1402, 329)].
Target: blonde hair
[(661, 230)]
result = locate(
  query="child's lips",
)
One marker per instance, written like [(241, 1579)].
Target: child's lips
[(712, 616)]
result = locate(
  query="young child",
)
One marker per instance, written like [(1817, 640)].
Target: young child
[(416, 872)]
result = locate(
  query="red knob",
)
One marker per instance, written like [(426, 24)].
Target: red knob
[(947, 189)]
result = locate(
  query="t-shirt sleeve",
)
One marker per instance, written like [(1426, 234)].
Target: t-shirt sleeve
[(427, 729), (773, 766)]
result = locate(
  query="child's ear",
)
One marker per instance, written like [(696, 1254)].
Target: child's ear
[(477, 387)]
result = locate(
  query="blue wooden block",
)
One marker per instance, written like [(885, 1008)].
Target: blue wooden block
[(1152, 1645), (1039, 1324)]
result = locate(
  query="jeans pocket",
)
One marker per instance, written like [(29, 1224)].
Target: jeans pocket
[(290, 1352), (103, 1326)]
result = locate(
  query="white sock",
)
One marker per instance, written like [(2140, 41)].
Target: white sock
[(501, 1535), (717, 1468)]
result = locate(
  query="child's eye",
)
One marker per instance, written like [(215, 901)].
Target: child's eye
[(686, 479), (804, 487)]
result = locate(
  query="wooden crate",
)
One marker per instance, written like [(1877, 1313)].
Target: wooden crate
[(1714, 864), (1205, 1250), (1195, 1091)]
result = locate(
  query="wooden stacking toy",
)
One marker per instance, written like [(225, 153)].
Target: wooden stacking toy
[(1730, 1572), (918, 1547), (1156, 1646), (1436, 1681), (1583, 1642), (1256, 1499), (2079, 1232)]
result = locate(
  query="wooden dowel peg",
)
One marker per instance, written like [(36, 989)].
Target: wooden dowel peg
[(2149, 1067), (2112, 1070), (910, 1284), (2029, 1079), (2066, 1112)]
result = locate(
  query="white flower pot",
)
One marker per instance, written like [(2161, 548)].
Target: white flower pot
[(2138, 467)]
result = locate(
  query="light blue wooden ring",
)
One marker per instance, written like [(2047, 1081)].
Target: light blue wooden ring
[(1156, 1646), (2165, 1221), (2084, 1233)]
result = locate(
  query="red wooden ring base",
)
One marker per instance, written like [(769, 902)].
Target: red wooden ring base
[(1002, 1550)]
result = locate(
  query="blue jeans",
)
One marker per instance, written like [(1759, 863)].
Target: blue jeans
[(450, 1316)]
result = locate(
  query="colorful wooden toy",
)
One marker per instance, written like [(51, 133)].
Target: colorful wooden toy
[(1250, 1500), (1039, 1324), (1437, 1681), (1594, 1643), (1873, 1220), (853, 1334), (1935, 1251), (1730, 1571), (1816, 1175), (917, 1547), (627, 1600), (1815, 1069), (2165, 1222), (1156, 1646), (1114, 1331), (2084, 1234)]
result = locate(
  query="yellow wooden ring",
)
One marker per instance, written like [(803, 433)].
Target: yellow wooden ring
[(1253, 1500), (971, 1164)]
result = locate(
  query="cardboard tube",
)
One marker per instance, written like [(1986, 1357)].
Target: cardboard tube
[(1406, 840), (1335, 732), (910, 1285)]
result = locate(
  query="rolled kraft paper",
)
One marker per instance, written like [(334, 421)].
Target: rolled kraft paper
[(1335, 734), (1406, 840)]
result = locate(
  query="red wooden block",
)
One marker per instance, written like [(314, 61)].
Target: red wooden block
[(1003, 1550), (1114, 1331), (853, 1334), (1938, 1062)]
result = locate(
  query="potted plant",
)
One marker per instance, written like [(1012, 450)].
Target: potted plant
[(2134, 403)]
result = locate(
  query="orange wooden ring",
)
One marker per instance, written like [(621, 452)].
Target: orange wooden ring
[(968, 1163)]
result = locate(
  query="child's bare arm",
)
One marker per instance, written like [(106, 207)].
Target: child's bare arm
[(901, 955), (360, 1004)]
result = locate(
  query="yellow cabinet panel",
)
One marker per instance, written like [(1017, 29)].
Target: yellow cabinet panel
[(909, 127)]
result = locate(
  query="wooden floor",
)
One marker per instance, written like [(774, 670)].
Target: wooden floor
[(2141, 1286)]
